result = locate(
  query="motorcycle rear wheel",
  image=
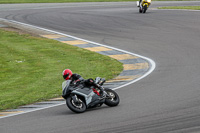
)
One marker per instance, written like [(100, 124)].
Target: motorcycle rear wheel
[(140, 10), (114, 98), (79, 107)]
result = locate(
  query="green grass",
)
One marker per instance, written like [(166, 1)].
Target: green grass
[(31, 68), (63, 1), (181, 7)]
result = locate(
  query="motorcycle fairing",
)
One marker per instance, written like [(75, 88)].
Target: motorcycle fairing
[(146, 2), (65, 84), (87, 94), (66, 88)]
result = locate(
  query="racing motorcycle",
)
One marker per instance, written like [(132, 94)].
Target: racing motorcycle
[(81, 97), (143, 6)]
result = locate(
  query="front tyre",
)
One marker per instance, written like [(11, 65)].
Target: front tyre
[(113, 99), (76, 106), (144, 9)]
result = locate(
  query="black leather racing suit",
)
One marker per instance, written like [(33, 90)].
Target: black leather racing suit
[(76, 79), (140, 2)]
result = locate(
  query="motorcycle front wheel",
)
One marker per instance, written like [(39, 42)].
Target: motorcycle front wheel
[(113, 99), (144, 9), (76, 106)]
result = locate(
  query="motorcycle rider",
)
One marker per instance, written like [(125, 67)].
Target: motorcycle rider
[(76, 79), (140, 2)]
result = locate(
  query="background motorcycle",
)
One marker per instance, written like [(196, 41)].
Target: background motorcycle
[(143, 6), (80, 97)]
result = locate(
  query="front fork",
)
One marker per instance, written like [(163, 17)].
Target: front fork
[(75, 99)]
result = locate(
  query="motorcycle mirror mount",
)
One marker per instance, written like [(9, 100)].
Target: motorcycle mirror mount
[(97, 80), (103, 80)]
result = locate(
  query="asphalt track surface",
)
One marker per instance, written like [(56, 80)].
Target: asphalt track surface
[(167, 100)]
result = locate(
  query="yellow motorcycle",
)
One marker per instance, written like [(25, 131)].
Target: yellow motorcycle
[(143, 6)]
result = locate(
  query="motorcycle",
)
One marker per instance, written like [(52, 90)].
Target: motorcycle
[(80, 97), (143, 6)]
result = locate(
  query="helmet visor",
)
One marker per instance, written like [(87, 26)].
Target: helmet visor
[(65, 76)]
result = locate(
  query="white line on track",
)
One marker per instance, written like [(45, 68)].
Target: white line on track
[(152, 67), (32, 110), (190, 10)]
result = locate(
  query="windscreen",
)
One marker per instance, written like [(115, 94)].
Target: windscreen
[(65, 84)]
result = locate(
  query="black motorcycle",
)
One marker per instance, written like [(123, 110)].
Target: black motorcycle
[(80, 97)]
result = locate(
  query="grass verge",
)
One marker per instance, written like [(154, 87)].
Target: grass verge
[(181, 7), (31, 67)]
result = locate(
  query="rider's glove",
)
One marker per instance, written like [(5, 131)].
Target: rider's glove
[(76, 83), (89, 81)]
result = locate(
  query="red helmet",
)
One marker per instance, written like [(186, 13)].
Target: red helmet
[(67, 73)]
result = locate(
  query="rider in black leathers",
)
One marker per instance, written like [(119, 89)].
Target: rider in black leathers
[(140, 2), (76, 79)]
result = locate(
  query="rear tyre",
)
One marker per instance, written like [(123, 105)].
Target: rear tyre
[(113, 99), (140, 10), (77, 107)]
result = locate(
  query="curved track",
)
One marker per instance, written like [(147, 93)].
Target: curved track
[(168, 100)]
